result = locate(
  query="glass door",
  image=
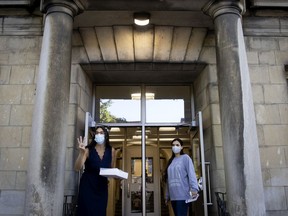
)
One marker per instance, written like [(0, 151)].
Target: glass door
[(136, 110), (133, 195)]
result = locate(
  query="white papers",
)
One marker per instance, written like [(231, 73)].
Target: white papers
[(113, 173), (192, 199)]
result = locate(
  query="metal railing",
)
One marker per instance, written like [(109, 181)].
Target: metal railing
[(69, 205), (221, 204)]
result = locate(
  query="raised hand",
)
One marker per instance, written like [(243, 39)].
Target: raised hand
[(81, 143), (83, 153)]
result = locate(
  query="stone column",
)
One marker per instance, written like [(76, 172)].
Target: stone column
[(244, 185), (46, 171)]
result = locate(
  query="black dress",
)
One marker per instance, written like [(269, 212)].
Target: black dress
[(93, 189)]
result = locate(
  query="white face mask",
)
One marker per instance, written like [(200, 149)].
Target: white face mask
[(99, 138), (176, 149)]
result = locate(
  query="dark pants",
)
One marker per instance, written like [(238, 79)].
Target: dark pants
[(180, 208)]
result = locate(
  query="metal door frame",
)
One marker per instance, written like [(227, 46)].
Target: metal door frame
[(89, 122)]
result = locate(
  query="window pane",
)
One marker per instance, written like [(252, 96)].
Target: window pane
[(136, 170), (122, 104), (114, 104), (171, 104)]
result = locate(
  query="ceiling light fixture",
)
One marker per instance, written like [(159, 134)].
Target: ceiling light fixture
[(138, 137), (115, 129), (167, 129), (137, 96), (141, 18)]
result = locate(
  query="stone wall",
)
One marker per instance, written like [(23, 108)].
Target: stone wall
[(81, 90), (207, 101), (19, 59), (267, 57), (20, 46), (80, 103)]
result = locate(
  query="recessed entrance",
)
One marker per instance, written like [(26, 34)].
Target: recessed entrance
[(143, 120)]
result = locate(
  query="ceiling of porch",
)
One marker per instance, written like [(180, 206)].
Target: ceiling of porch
[(168, 50), (158, 53)]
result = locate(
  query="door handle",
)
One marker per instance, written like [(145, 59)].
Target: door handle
[(128, 190)]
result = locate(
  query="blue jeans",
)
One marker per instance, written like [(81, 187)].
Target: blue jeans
[(180, 208)]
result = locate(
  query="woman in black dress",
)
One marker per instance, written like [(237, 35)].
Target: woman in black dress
[(93, 189)]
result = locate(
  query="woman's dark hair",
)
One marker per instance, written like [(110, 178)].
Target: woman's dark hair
[(172, 157), (106, 135)]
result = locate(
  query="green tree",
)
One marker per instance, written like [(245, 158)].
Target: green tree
[(106, 116)]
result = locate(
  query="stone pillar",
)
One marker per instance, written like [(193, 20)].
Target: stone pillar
[(46, 171), (244, 185)]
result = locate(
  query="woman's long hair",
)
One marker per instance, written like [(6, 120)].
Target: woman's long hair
[(93, 143), (172, 157)]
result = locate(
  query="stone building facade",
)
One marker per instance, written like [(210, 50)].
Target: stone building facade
[(252, 103)]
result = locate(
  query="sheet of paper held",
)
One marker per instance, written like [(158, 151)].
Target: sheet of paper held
[(192, 199)]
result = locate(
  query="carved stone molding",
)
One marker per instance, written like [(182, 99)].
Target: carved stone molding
[(17, 2), (269, 3), (72, 7), (215, 8)]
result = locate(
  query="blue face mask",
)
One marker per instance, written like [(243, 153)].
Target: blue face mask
[(100, 138), (176, 149)]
